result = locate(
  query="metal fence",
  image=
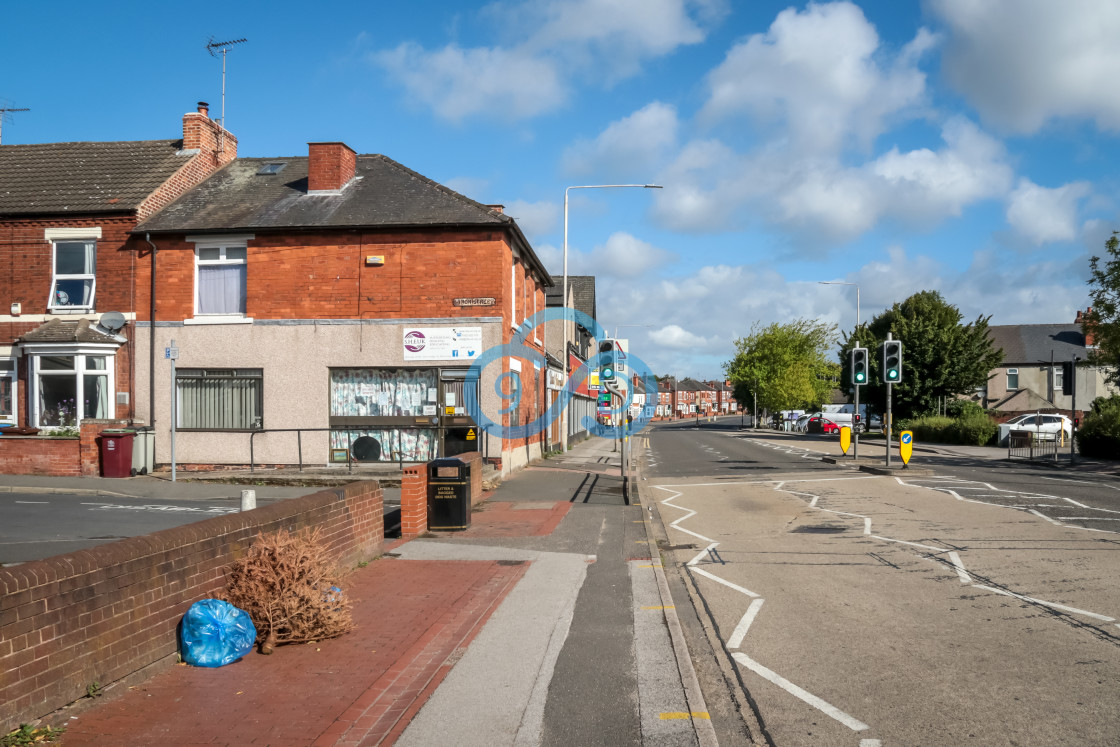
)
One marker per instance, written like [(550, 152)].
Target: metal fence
[(350, 430), (1027, 445)]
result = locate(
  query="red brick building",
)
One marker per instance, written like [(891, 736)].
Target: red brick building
[(67, 213), (337, 291)]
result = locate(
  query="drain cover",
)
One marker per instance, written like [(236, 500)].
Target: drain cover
[(818, 529)]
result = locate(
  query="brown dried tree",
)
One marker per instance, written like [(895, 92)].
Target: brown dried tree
[(289, 584)]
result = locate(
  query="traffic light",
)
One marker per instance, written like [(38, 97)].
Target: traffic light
[(606, 360), (892, 361), (859, 366)]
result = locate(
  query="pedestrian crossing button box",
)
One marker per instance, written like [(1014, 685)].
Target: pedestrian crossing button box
[(449, 501)]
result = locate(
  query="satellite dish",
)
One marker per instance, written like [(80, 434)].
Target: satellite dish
[(112, 321)]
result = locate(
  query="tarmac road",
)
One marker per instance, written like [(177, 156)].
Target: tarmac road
[(866, 610)]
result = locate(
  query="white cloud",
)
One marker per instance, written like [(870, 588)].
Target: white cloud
[(674, 337), (623, 257), (632, 145), (818, 74), (535, 218), (1022, 63), (558, 41), (824, 201), (458, 83), (1040, 215)]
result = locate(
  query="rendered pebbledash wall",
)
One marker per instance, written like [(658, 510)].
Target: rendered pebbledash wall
[(102, 614)]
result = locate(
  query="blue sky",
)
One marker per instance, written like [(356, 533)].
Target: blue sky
[(954, 145)]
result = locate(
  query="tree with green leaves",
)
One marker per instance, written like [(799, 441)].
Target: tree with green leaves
[(1103, 321), (941, 357), (786, 365)]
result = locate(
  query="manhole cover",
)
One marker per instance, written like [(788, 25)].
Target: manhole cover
[(511, 562), (818, 529)]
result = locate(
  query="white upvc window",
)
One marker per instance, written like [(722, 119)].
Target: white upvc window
[(513, 295), (1012, 379), (73, 275), (8, 383), (70, 383), (220, 279)]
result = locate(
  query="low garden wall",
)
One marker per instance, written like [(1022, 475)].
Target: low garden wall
[(101, 614), (72, 456)]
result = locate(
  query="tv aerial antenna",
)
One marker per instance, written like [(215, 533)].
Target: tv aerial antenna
[(222, 48), (4, 112)]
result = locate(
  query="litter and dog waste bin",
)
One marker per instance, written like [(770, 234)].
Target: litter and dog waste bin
[(449, 501), (116, 453)]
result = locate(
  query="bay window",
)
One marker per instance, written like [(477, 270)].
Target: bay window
[(70, 384), (7, 390)]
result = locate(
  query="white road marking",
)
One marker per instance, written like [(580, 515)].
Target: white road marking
[(821, 705), (961, 572), (740, 632), (45, 503), (725, 582)]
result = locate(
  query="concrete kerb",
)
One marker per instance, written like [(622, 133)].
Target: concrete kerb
[(743, 704)]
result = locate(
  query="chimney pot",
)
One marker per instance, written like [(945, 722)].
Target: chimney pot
[(204, 108)]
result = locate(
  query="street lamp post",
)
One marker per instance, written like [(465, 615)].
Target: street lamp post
[(855, 442), (564, 349)]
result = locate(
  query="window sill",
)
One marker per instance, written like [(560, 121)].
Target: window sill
[(71, 310), (219, 319)]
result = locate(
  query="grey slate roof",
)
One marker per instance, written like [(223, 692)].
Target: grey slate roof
[(69, 178), (69, 331), (1032, 343), (384, 194), (583, 293)]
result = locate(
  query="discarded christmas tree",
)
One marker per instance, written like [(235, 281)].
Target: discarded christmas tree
[(291, 587)]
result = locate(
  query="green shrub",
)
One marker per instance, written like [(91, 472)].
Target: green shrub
[(1099, 434), (974, 429), (962, 408)]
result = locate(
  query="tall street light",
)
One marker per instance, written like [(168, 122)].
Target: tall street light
[(564, 350), (859, 417)]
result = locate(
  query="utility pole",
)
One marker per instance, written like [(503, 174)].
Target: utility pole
[(1073, 410)]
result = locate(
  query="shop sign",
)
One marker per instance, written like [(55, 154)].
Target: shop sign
[(442, 343)]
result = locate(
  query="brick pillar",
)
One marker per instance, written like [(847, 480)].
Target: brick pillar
[(414, 501)]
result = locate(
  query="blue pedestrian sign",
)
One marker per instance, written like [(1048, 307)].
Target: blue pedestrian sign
[(905, 445)]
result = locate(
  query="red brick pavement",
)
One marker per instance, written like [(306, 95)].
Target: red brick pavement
[(508, 519), (412, 620)]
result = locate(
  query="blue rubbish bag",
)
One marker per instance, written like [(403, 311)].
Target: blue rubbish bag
[(215, 633)]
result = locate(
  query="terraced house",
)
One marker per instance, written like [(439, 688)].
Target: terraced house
[(69, 258), (344, 295)]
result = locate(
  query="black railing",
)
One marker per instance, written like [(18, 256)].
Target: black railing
[(1028, 445), (350, 430)]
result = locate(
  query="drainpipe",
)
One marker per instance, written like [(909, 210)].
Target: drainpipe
[(152, 337)]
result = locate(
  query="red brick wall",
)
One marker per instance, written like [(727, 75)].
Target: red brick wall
[(101, 614), (324, 276), (35, 455)]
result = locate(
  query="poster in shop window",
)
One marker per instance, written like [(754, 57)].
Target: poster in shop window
[(442, 343)]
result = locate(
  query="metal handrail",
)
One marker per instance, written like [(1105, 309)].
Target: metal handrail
[(349, 444)]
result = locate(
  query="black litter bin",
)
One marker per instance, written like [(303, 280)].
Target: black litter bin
[(449, 501)]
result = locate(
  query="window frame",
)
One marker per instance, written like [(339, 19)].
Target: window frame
[(80, 352), (1012, 372), (222, 243), (187, 372), (12, 375), (91, 247)]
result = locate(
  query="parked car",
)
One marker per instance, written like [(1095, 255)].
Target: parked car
[(1046, 426), (820, 424)]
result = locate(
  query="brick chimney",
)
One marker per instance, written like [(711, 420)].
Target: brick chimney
[(207, 136), (330, 166), (1082, 318)]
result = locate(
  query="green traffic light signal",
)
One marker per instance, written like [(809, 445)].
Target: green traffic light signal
[(892, 361), (859, 366)]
